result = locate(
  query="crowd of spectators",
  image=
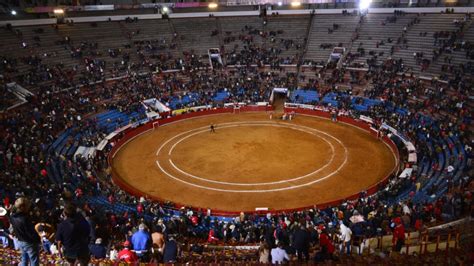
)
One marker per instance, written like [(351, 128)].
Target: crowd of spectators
[(59, 216), (260, 47)]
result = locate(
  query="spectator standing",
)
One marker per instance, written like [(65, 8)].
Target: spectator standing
[(141, 241), (171, 250), (398, 234), (158, 240), (23, 228), (98, 250), (264, 253), (126, 255), (327, 247), (279, 255), (345, 237), (72, 237), (46, 233), (301, 239)]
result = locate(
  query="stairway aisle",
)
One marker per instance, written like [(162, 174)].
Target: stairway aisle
[(279, 102)]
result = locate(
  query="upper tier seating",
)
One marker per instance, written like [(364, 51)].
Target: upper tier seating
[(429, 23), (320, 37), (196, 34), (113, 48)]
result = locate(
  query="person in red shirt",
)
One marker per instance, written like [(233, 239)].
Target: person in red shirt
[(211, 238), (126, 255), (140, 208), (6, 202), (398, 239), (327, 248), (195, 220)]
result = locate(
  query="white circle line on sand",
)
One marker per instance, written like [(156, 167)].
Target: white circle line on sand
[(255, 184), (254, 191), (259, 190), (200, 128)]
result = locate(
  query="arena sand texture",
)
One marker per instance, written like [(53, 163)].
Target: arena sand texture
[(252, 161)]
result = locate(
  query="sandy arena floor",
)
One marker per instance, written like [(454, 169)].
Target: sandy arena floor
[(252, 161)]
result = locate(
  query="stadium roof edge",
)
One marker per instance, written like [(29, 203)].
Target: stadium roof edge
[(32, 22)]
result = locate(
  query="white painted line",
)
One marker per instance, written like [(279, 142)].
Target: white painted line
[(257, 190), (254, 184)]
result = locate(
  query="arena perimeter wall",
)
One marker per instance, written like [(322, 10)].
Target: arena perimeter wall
[(124, 137)]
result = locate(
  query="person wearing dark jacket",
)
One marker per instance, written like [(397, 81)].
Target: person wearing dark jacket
[(171, 250), (73, 237), (24, 231), (301, 240), (98, 251)]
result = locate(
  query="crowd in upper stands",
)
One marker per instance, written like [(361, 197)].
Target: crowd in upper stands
[(64, 217), (268, 53)]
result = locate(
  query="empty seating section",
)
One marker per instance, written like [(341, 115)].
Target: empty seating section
[(46, 44), (291, 29), (455, 57), (321, 41), (158, 33), (234, 29), (304, 96), (363, 104), (109, 36), (39, 40), (377, 34), (114, 119), (429, 23), (186, 100), (221, 96), (10, 46), (196, 34), (332, 99)]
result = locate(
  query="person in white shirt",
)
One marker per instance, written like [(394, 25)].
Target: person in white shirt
[(345, 237), (113, 255), (279, 255)]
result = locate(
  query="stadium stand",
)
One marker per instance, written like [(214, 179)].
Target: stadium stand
[(45, 144)]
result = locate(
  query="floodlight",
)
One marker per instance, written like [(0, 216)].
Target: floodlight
[(13, 12), (58, 11), (364, 4), (295, 4), (165, 10), (212, 5), (279, 3)]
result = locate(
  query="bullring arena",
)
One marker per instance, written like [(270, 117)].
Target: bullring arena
[(236, 132), (312, 160)]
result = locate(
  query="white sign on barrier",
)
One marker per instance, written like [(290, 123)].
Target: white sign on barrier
[(412, 158), (406, 173), (366, 119)]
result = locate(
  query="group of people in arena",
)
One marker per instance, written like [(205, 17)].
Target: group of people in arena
[(40, 215)]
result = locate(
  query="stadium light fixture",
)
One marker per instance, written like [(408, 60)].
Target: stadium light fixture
[(279, 3), (165, 10), (13, 12), (295, 4), (364, 4), (58, 11), (213, 5)]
